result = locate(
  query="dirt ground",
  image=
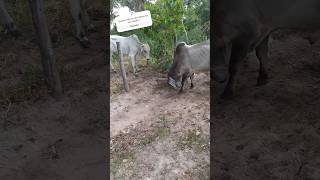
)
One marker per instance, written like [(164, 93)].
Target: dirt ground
[(157, 133), (46, 138), (272, 131)]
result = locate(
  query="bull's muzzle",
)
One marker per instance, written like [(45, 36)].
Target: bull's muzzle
[(172, 82)]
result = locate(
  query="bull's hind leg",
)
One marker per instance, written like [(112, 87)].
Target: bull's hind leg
[(7, 21), (239, 52), (77, 15), (262, 54), (133, 64), (191, 79)]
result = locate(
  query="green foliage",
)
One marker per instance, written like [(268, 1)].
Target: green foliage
[(166, 18), (171, 21), (197, 22)]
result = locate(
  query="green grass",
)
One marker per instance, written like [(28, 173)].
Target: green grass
[(127, 63), (193, 138), (117, 88), (118, 161), (158, 134), (160, 66)]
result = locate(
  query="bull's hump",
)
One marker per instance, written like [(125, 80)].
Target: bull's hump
[(181, 44)]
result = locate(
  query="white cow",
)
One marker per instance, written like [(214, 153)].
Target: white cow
[(113, 49), (131, 47), (79, 13)]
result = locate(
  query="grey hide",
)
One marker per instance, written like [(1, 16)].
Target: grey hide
[(187, 61)]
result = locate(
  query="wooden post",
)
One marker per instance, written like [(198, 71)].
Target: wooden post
[(122, 69), (47, 56)]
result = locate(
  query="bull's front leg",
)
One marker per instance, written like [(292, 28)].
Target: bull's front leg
[(77, 15), (112, 68), (184, 78), (7, 22), (239, 52), (262, 54), (136, 63), (133, 64), (191, 79)]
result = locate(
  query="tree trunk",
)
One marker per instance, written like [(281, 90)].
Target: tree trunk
[(174, 43)]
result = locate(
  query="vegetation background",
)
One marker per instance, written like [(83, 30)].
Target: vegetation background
[(173, 21)]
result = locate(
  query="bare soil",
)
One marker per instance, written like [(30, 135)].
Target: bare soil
[(53, 138), (157, 133), (272, 131)]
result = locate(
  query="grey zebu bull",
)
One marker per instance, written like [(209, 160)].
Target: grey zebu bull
[(188, 60), (79, 13), (131, 47), (241, 26)]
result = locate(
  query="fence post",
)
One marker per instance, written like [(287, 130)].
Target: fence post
[(47, 56), (122, 69)]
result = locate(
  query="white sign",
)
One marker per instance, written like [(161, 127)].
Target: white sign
[(134, 21)]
